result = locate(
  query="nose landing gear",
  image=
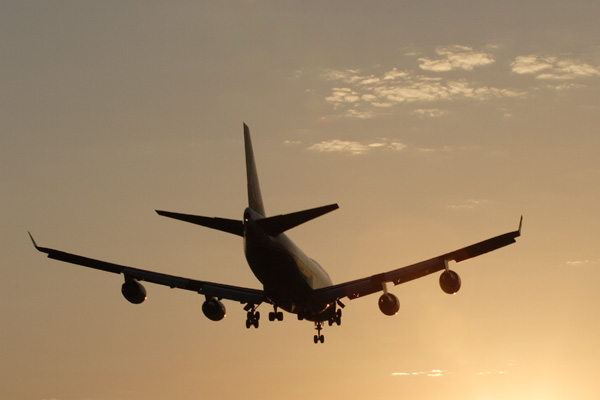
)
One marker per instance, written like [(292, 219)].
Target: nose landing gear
[(318, 337)]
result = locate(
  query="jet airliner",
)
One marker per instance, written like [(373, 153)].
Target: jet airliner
[(291, 280)]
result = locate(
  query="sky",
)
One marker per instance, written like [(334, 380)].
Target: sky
[(433, 125)]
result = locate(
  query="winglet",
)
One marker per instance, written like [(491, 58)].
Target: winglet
[(33, 241), (520, 225)]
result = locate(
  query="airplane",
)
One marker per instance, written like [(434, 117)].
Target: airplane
[(291, 280)]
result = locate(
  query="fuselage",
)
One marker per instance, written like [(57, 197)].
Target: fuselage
[(288, 275)]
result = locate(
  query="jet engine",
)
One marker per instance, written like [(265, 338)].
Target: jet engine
[(389, 304), (213, 309), (450, 282), (133, 291)]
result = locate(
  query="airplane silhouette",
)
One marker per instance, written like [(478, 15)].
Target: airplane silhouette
[(291, 280)]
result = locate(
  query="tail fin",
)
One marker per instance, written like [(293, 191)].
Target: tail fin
[(255, 201)]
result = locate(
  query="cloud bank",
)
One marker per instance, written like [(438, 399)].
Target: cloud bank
[(359, 95)]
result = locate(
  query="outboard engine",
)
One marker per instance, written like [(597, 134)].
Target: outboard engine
[(389, 304), (450, 282), (213, 309), (133, 291)]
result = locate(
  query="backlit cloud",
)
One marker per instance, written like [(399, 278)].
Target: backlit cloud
[(432, 373), (360, 94), (553, 68), (456, 57), (580, 263), (366, 94), (356, 148), (467, 205)]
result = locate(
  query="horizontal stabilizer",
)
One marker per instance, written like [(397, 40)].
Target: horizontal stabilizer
[(281, 223), (226, 225)]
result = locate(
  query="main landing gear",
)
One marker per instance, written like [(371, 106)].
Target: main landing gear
[(275, 315), (336, 319), (318, 337), (252, 317)]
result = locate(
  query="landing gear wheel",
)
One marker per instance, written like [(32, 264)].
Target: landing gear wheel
[(275, 315), (252, 316), (338, 317)]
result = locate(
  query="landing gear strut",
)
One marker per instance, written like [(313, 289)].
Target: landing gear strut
[(252, 317), (318, 337)]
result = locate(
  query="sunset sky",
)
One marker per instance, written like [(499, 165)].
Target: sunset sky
[(432, 124)]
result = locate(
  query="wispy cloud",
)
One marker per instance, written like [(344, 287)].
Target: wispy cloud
[(467, 205), (456, 57), (553, 68), (580, 263), (356, 148), (429, 112), (360, 94), (432, 373), (443, 372), (364, 95)]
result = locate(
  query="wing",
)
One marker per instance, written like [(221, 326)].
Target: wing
[(220, 291), (375, 283)]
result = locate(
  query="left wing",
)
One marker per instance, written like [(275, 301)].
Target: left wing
[(217, 290), (376, 283)]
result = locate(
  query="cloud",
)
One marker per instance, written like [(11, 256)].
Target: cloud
[(443, 372), (429, 112), (342, 95), (456, 57), (397, 87), (356, 148), (468, 205), (579, 263), (553, 68), (360, 94), (432, 373)]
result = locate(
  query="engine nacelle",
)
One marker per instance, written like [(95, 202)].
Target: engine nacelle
[(213, 309), (450, 282), (389, 304), (133, 291)]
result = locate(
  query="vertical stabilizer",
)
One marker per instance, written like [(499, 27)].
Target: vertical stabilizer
[(255, 201)]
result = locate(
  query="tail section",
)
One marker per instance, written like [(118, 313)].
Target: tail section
[(272, 226), (255, 201)]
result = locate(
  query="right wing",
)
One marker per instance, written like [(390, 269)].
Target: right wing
[(218, 290), (375, 283)]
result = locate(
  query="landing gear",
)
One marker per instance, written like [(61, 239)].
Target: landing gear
[(252, 317), (337, 318), (275, 315), (318, 337)]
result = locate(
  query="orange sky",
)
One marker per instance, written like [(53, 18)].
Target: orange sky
[(432, 126)]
